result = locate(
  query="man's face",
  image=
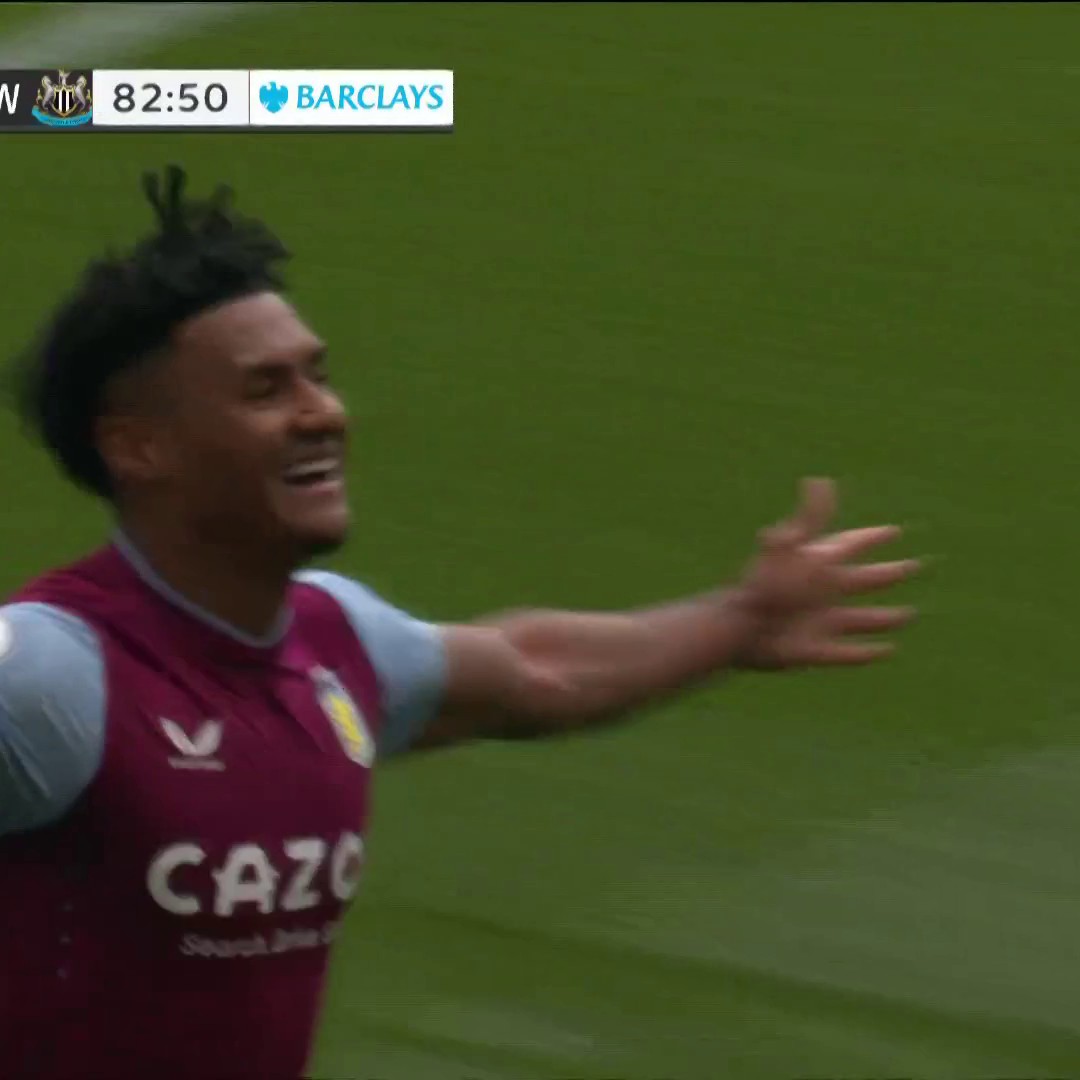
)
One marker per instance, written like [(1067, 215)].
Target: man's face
[(257, 436)]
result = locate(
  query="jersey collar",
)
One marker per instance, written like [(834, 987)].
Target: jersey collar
[(256, 643)]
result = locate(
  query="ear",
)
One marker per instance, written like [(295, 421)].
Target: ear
[(137, 448), (133, 432)]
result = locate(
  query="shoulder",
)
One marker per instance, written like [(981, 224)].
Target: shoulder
[(407, 653), (37, 637), (52, 711), (368, 612)]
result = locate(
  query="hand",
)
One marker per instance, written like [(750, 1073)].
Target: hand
[(798, 581)]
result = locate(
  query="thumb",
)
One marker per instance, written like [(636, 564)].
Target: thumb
[(817, 507)]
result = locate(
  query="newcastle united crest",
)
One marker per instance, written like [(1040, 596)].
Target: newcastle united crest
[(63, 103)]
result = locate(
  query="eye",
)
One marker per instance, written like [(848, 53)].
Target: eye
[(260, 387), (263, 384), (318, 371)]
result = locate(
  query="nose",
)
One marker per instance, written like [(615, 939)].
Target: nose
[(321, 410)]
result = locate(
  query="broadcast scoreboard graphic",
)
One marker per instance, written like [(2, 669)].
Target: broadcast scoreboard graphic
[(70, 100)]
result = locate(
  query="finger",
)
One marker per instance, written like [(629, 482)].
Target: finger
[(815, 510), (850, 544), (853, 580), (779, 538), (869, 620), (850, 654), (817, 507)]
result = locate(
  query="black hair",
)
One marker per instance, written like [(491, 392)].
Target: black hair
[(124, 308)]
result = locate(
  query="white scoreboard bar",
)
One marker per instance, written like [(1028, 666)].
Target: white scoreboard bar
[(234, 100)]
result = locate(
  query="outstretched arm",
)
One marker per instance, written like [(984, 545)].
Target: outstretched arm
[(539, 673)]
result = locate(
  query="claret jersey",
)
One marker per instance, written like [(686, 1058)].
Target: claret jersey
[(183, 816)]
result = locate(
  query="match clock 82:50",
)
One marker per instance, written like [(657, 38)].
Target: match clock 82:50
[(153, 99)]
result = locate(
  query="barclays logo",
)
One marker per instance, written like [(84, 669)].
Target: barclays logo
[(273, 97), (330, 99)]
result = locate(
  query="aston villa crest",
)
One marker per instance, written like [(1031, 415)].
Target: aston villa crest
[(345, 717), (63, 104)]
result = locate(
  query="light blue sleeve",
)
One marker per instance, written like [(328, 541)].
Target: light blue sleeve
[(407, 653), (52, 713)]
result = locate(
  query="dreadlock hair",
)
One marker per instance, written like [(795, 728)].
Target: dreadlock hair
[(124, 309)]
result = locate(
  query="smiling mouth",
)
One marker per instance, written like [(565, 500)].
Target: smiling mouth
[(316, 473)]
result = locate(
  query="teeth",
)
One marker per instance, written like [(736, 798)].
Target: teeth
[(310, 468)]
